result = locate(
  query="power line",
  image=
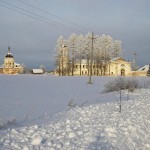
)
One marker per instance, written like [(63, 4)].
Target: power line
[(23, 13), (46, 12), (30, 14)]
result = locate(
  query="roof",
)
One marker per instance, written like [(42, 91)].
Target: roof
[(37, 71), (17, 65), (144, 68), (117, 58), (9, 55), (83, 61)]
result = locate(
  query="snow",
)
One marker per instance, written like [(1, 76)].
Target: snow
[(96, 125), (116, 58), (144, 68), (16, 64)]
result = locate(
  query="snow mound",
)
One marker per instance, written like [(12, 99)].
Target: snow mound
[(92, 127)]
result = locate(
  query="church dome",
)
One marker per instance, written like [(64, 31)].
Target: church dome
[(9, 55)]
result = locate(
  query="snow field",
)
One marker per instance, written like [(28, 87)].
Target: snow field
[(92, 127)]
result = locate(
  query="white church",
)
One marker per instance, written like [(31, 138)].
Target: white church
[(10, 66)]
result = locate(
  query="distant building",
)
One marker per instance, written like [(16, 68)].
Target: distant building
[(115, 67), (37, 71), (10, 66), (148, 72), (119, 67), (144, 71), (83, 66)]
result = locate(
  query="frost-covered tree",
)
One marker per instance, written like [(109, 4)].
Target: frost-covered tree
[(59, 66), (72, 44), (80, 51), (80, 47), (117, 50)]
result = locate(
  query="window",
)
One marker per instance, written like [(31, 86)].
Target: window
[(122, 65), (83, 66), (76, 66), (82, 72)]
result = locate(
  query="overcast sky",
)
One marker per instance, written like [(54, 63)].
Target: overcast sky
[(32, 38)]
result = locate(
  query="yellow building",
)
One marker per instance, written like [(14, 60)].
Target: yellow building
[(144, 71), (119, 67), (9, 66), (83, 67), (115, 67)]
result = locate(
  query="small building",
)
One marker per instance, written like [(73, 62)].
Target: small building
[(10, 66), (37, 71), (144, 71)]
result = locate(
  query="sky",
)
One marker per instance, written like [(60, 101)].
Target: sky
[(31, 27)]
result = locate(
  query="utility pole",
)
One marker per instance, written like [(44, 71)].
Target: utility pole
[(91, 59), (62, 60), (135, 54), (73, 59)]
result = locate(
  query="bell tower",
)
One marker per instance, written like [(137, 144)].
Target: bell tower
[(8, 63)]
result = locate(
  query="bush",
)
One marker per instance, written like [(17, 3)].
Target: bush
[(121, 83)]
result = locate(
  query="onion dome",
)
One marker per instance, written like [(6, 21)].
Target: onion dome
[(9, 55)]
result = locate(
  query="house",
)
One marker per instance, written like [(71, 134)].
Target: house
[(37, 71), (143, 71), (10, 66)]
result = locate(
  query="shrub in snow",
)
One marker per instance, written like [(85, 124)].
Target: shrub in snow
[(71, 104), (5, 123), (121, 83)]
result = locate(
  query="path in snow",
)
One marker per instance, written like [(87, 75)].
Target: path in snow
[(91, 127)]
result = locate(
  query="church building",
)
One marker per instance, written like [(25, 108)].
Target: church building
[(119, 67), (84, 67), (10, 66)]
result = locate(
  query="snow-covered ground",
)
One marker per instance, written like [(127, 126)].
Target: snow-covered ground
[(28, 98), (44, 121)]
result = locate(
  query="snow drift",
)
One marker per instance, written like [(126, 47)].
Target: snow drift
[(98, 126)]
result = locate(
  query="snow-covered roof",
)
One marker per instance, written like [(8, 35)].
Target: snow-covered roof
[(37, 71), (144, 68), (83, 61), (9, 55), (16, 64), (117, 58)]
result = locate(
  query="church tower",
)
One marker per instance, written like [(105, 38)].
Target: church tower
[(64, 59), (8, 63)]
